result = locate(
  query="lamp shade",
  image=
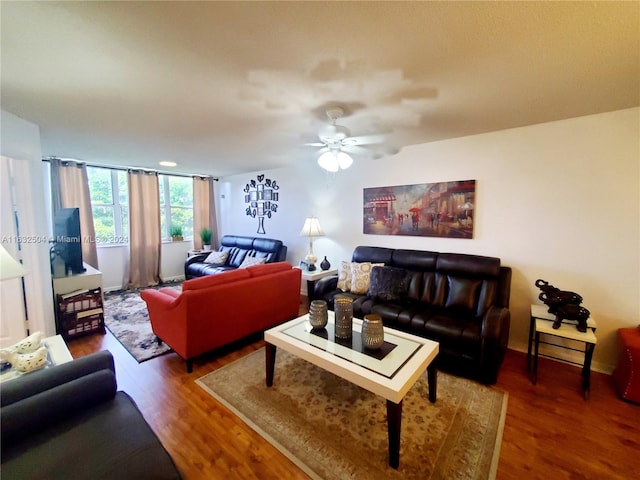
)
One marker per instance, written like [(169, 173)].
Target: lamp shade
[(9, 266), (311, 228)]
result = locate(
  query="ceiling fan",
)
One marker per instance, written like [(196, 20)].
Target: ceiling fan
[(338, 145)]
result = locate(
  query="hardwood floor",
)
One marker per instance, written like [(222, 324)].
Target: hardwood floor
[(550, 431)]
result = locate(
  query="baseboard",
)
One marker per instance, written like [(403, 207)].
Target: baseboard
[(115, 288), (570, 357), (177, 278)]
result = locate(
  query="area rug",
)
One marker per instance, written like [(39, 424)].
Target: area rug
[(332, 429), (126, 316)]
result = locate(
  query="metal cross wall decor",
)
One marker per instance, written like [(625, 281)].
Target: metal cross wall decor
[(262, 197)]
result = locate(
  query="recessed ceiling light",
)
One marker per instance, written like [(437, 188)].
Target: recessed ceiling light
[(166, 163)]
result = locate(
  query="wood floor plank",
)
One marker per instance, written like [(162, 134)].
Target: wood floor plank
[(550, 430)]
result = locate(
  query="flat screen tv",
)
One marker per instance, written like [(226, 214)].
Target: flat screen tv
[(68, 240)]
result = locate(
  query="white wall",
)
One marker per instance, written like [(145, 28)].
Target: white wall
[(20, 142), (112, 261), (558, 201)]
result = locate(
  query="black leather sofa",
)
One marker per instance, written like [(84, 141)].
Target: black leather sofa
[(239, 248), (458, 300), (70, 422)]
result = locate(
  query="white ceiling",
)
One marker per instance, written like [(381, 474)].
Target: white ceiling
[(229, 87)]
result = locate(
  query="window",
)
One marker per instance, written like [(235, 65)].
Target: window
[(110, 205), (176, 204)]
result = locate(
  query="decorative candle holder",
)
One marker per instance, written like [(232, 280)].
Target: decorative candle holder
[(318, 314), (372, 332), (343, 307)]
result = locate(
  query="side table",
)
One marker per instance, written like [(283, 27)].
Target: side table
[(567, 332), (542, 312), (313, 277), (58, 353)]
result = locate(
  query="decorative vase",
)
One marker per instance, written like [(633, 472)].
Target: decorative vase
[(318, 314), (343, 307), (372, 332), (325, 265), (206, 248)]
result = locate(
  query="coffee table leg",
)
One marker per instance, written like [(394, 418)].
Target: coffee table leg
[(432, 380), (270, 358), (394, 421)]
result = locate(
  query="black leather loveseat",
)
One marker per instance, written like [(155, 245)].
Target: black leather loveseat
[(238, 248), (70, 422), (458, 300)]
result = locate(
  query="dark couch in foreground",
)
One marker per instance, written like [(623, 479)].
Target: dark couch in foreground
[(70, 422), (458, 300), (238, 248)]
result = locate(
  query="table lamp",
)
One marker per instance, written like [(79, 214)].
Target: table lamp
[(9, 267), (311, 229)]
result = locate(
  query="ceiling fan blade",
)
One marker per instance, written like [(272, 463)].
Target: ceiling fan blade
[(365, 140), (357, 150), (316, 144)]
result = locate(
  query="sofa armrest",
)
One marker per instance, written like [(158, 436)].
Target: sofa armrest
[(158, 298), (48, 378), (172, 292), (199, 257), (40, 410), (282, 254), (495, 337), (324, 286)]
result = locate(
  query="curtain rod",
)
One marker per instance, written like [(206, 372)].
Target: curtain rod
[(124, 169)]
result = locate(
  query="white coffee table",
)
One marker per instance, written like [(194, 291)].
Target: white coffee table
[(390, 377)]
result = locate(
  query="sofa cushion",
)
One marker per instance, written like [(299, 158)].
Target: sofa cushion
[(37, 412), (211, 280), (250, 261), (468, 265), (462, 293), (217, 258), (344, 276), (268, 268), (388, 283), (110, 440), (360, 276), (236, 256), (202, 269)]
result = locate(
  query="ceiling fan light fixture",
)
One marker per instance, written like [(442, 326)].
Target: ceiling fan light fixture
[(344, 160), (334, 161), (329, 162)]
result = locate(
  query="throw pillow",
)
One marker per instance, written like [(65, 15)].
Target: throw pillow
[(388, 283), (360, 273), (463, 293), (248, 261), (217, 258), (344, 276)]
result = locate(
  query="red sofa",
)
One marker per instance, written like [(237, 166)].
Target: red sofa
[(215, 310)]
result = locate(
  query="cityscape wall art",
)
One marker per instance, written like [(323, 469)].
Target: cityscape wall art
[(443, 209)]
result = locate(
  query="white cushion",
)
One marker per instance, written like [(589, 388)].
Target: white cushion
[(249, 261), (344, 276), (217, 258), (360, 273)]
